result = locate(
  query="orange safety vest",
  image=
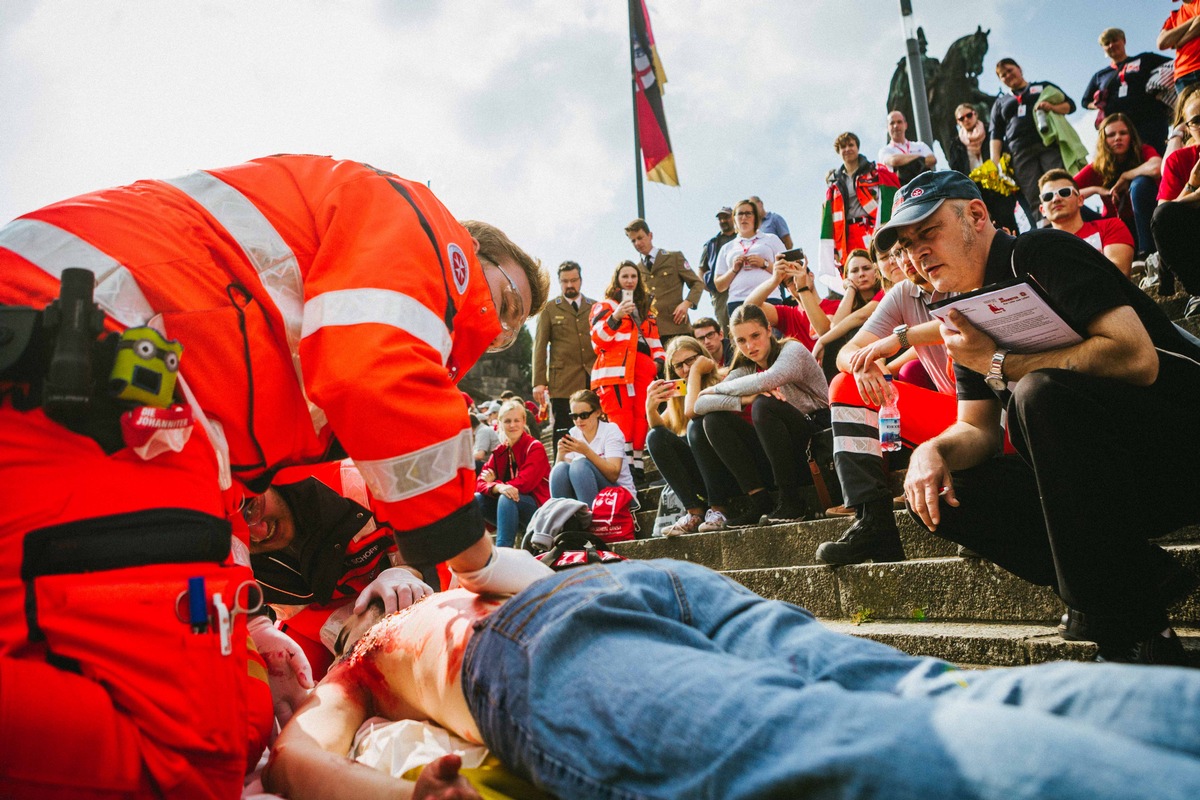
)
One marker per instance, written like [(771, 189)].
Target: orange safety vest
[(314, 298), (617, 350)]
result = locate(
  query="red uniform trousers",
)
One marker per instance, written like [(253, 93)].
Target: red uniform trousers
[(628, 411), (104, 692)]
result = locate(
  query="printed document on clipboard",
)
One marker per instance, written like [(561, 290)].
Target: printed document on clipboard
[(1016, 313)]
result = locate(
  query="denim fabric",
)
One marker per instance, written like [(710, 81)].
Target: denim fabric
[(662, 679), (1143, 195), (506, 515), (579, 479)]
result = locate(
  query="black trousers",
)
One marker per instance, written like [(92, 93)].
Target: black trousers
[(1031, 161), (1176, 230), (772, 450), (1104, 467), (560, 418), (680, 468)]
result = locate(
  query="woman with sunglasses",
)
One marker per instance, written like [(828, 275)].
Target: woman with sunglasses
[(628, 355), (677, 442), (761, 417), (1125, 175), (746, 262), (973, 135), (515, 481), (591, 456)]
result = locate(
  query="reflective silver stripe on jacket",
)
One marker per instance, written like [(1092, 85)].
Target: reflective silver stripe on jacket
[(52, 250), (383, 306), (273, 260), (402, 477)]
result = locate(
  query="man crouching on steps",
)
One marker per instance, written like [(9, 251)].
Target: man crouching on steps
[(1105, 428)]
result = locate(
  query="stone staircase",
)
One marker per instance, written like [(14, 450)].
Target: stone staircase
[(965, 610)]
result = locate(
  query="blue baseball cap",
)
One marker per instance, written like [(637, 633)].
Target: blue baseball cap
[(922, 196)]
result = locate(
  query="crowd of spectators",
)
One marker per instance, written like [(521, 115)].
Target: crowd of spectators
[(731, 409)]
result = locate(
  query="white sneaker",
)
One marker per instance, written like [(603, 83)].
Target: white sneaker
[(688, 523), (713, 521)]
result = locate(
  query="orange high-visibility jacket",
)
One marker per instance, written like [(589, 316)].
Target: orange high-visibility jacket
[(616, 350), (314, 299)]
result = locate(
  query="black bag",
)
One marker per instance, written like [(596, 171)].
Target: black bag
[(820, 463)]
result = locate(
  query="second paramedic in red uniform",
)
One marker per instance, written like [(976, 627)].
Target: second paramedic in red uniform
[(321, 305)]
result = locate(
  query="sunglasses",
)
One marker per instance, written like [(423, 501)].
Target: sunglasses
[(1194, 122), (966, 116), (687, 362), (582, 414), (1063, 192)]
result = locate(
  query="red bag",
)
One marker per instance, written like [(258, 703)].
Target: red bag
[(612, 515)]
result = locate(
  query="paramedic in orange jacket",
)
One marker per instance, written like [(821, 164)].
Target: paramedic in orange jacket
[(629, 356), (313, 299)]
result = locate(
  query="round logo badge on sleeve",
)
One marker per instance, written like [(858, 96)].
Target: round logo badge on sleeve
[(458, 266)]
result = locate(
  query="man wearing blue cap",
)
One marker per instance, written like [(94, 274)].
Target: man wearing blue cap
[(1104, 429)]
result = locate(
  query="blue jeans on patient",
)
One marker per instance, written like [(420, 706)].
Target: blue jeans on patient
[(663, 679), (579, 479), (506, 515)]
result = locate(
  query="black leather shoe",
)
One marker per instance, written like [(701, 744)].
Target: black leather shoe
[(863, 542), (1156, 649), (785, 513)]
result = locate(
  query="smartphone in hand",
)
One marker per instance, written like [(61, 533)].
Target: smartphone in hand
[(627, 295), (795, 254)]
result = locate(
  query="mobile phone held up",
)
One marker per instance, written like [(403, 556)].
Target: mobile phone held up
[(795, 254), (626, 295)]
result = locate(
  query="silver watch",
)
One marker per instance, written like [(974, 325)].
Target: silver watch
[(995, 374), (901, 332)]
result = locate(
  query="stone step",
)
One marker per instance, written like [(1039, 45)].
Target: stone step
[(933, 589), (998, 645)]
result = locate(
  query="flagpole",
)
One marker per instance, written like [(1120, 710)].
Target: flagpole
[(637, 146)]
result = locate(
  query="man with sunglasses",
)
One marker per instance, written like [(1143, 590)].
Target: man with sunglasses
[(322, 306), (1105, 429), (1061, 204)]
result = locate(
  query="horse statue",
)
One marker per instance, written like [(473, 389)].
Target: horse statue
[(948, 82)]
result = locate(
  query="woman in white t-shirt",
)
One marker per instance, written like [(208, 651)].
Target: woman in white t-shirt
[(746, 262), (591, 456)]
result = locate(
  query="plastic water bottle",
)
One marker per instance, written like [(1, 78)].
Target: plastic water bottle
[(889, 419)]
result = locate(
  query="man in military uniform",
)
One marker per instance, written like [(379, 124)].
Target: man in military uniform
[(665, 273), (562, 327)]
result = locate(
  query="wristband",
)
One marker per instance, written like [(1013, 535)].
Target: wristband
[(804, 289)]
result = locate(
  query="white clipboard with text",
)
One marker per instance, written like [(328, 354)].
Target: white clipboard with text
[(1016, 313)]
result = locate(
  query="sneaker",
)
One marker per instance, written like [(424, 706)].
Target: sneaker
[(1164, 649), (862, 543), (688, 523), (713, 521), (785, 512)]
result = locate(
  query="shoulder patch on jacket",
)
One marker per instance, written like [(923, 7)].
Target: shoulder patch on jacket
[(458, 266)]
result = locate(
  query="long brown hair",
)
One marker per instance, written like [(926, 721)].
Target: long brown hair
[(1107, 162), (674, 417), (748, 312), (859, 302), (641, 299)]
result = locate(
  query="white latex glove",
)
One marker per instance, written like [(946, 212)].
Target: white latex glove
[(288, 671), (397, 587), (508, 571)]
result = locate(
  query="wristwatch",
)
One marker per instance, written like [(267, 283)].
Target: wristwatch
[(995, 375), (901, 332)]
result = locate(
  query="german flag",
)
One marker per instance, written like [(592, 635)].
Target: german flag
[(649, 80)]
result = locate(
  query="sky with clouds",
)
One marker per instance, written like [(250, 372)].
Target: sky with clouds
[(517, 112)]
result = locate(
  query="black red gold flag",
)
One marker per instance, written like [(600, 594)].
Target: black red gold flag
[(649, 81)]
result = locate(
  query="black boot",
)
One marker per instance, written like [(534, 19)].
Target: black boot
[(872, 537), (758, 504)]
